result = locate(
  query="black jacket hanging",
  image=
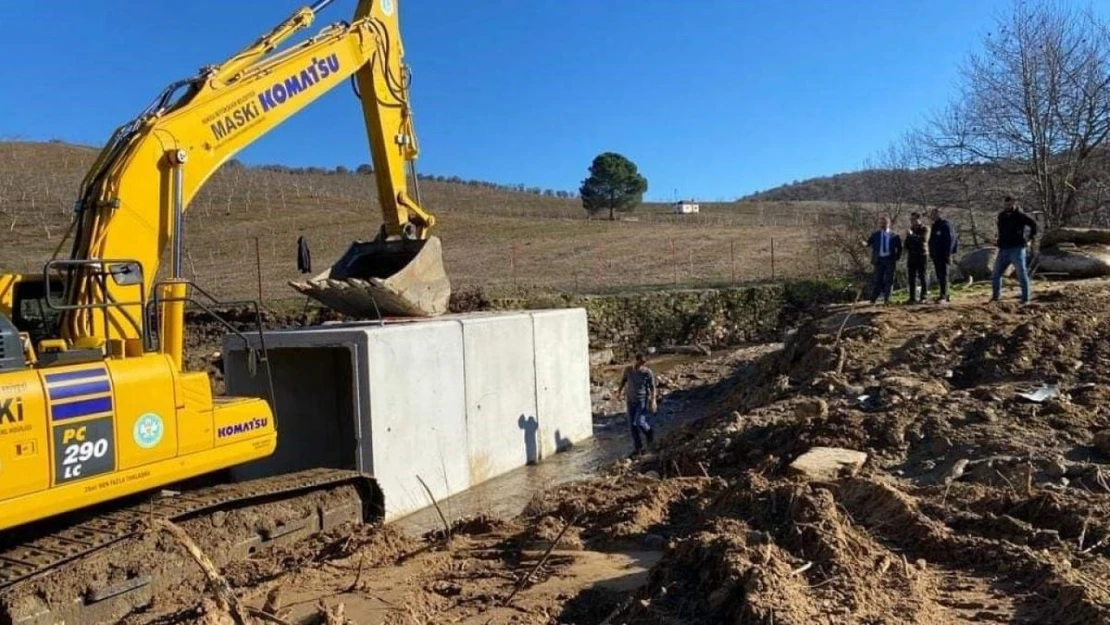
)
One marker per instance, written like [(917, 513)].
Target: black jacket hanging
[(304, 257)]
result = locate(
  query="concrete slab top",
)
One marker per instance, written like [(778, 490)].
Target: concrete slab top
[(371, 324)]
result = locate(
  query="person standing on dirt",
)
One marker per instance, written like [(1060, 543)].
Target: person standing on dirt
[(638, 385), (1013, 247), (916, 255), (942, 247), (886, 249)]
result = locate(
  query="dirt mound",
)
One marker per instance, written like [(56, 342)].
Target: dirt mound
[(627, 509), (981, 500)]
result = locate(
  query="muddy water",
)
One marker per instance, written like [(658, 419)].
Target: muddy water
[(686, 385), (506, 496)]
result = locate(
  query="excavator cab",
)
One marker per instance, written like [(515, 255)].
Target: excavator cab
[(24, 303), (383, 278)]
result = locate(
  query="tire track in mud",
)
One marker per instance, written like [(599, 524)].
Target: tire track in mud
[(1043, 586), (963, 597)]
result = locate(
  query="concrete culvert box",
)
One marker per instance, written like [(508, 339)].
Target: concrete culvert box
[(455, 400)]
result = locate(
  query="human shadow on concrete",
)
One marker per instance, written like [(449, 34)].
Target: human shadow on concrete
[(531, 429), (561, 442)]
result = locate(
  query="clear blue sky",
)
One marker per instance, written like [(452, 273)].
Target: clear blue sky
[(712, 98)]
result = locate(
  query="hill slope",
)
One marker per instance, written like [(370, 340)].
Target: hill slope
[(933, 186), (492, 237)]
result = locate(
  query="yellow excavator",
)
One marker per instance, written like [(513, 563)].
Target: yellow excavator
[(95, 405)]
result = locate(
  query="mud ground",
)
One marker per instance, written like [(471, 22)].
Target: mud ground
[(975, 504)]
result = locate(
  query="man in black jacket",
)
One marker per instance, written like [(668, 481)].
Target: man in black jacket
[(916, 255), (942, 247), (886, 249), (1012, 246)]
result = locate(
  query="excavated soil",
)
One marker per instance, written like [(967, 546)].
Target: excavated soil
[(975, 504)]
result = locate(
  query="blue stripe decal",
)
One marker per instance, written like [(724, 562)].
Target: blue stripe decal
[(69, 376), (82, 408), (94, 387)]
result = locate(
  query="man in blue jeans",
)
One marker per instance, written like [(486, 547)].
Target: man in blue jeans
[(638, 384), (1012, 246)]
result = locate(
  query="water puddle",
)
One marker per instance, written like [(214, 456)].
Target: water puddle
[(505, 496)]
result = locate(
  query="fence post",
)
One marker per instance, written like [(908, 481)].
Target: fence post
[(772, 258), (674, 262), (512, 263), (258, 266), (597, 264), (732, 259)]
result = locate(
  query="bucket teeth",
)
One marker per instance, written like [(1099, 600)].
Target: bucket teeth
[(418, 289)]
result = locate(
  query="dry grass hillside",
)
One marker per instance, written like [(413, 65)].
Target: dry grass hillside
[(493, 238)]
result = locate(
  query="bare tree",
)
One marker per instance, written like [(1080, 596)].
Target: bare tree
[(943, 143), (1035, 106)]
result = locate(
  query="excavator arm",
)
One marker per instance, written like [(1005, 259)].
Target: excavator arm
[(132, 201)]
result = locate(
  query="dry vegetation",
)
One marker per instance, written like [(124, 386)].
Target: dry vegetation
[(493, 238)]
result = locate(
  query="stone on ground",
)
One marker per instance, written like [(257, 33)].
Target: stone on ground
[(911, 388), (812, 408), (828, 463)]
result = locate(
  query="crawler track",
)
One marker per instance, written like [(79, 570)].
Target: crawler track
[(35, 571)]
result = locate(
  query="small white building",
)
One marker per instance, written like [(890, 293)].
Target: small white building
[(685, 207)]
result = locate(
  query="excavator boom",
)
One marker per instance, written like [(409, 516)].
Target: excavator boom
[(133, 200)]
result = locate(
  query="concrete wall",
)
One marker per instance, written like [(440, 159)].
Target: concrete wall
[(415, 419), (453, 401), (501, 420), (562, 371)]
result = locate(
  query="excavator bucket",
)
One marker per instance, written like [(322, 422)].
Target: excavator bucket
[(384, 279)]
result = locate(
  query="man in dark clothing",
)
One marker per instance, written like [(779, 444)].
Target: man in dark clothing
[(886, 249), (942, 247), (638, 384), (1012, 246), (916, 240)]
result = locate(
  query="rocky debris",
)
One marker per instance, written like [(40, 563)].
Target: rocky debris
[(956, 471), (911, 388), (1075, 261), (693, 350), (828, 463), (811, 408), (1076, 236), (601, 357)]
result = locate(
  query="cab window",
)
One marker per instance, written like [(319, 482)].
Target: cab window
[(31, 313)]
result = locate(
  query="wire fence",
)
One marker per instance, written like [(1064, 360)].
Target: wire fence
[(264, 266)]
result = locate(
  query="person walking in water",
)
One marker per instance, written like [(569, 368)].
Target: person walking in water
[(638, 385)]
